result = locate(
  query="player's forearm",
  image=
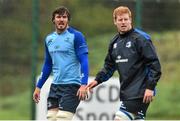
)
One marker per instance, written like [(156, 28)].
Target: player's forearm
[(46, 71), (83, 58), (152, 64), (107, 71), (154, 74)]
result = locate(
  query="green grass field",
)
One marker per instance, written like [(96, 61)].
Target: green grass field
[(166, 104), (16, 107)]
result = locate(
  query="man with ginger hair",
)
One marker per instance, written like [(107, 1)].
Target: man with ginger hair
[(132, 54)]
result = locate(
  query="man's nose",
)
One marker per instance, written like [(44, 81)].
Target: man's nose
[(123, 21), (61, 18)]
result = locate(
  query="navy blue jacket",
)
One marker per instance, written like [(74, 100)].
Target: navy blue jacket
[(134, 57)]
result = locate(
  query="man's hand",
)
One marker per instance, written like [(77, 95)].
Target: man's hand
[(148, 96), (36, 95), (82, 92), (91, 85)]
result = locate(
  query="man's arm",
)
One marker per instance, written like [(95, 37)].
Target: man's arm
[(153, 69), (109, 67), (105, 73), (153, 65), (81, 51), (83, 59), (46, 71)]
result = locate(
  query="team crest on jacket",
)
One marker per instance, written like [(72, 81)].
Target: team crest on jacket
[(115, 45), (49, 42), (128, 44)]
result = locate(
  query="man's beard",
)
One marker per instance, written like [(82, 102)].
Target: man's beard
[(61, 29)]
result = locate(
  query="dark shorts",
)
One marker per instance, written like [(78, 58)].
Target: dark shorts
[(136, 107), (63, 96)]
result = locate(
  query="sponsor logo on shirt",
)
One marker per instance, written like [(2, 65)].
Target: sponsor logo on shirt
[(56, 47), (115, 45), (67, 40), (49, 42), (119, 60), (82, 46), (128, 44)]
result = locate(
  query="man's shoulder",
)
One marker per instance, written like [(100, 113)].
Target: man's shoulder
[(114, 38), (50, 36), (78, 34), (140, 34), (74, 30)]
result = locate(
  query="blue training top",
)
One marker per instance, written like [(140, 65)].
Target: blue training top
[(66, 55)]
